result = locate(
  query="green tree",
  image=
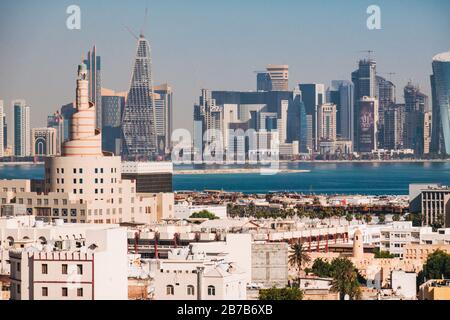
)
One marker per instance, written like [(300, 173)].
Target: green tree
[(293, 293), (416, 219), (349, 218), (396, 217), (345, 278), (340, 213), (321, 268), (204, 214), (381, 219), (437, 266), (368, 218), (359, 217), (298, 256), (379, 254)]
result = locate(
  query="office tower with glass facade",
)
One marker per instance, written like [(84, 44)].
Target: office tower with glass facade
[(393, 127), (67, 111), (364, 81), (341, 93), (113, 105), (313, 96), (22, 134), (263, 81), (440, 85), (93, 63), (56, 121), (164, 116), (416, 105), (139, 116), (386, 98)]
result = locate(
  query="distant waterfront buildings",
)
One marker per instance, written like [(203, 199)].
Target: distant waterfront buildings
[(327, 122), (440, 87), (393, 127), (279, 77), (366, 131), (56, 121), (22, 134), (139, 118), (313, 96), (416, 119), (386, 98), (164, 116), (341, 93), (2, 141), (113, 105), (93, 63), (44, 142)]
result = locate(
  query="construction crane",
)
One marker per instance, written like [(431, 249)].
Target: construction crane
[(369, 52)]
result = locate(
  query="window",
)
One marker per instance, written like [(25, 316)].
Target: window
[(96, 180), (18, 266), (190, 290), (64, 269), (170, 290), (79, 269), (79, 292), (57, 170), (18, 289), (62, 171), (80, 170), (96, 170), (101, 170), (74, 170), (30, 202), (211, 291), (44, 291), (45, 268), (64, 292), (74, 181), (55, 201)]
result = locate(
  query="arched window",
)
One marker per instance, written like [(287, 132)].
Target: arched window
[(10, 241), (211, 291), (190, 290), (170, 290), (42, 240)]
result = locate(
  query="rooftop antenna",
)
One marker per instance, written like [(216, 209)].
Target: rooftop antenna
[(369, 52), (144, 25)]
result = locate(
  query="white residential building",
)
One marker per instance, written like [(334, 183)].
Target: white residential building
[(184, 210), (94, 270), (190, 275)]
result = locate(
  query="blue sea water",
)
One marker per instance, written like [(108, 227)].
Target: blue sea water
[(329, 178)]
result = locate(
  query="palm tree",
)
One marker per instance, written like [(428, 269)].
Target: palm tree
[(298, 257), (367, 218), (381, 218), (358, 217), (396, 217), (340, 213)]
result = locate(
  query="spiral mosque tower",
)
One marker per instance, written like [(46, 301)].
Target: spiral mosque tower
[(85, 139)]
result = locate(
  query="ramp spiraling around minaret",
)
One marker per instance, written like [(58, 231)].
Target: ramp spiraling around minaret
[(85, 139)]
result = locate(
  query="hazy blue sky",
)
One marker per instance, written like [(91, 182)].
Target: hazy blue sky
[(212, 44)]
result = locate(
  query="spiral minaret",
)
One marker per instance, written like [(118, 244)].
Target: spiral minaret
[(85, 138)]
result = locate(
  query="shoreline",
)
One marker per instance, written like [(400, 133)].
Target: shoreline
[(235, 171)]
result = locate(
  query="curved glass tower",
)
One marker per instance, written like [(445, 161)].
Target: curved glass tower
[(440, 83)]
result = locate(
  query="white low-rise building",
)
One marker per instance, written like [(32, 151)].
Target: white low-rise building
[(191, 275), (184, 210), (94, 270)]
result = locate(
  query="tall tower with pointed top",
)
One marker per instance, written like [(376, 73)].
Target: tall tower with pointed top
[(139, 117)]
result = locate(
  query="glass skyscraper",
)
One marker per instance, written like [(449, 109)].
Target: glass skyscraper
[(22, 134), (440, 85), (139, 118), (93, 64)]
